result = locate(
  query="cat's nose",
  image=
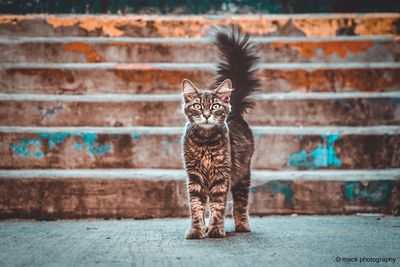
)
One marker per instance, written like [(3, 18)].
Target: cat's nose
[(206, 115)]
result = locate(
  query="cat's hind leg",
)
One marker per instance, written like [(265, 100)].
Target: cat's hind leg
[(240, 194)]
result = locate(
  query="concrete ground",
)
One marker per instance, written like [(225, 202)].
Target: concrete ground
[(275, 241)]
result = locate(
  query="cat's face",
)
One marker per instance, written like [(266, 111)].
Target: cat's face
[(206, 108)]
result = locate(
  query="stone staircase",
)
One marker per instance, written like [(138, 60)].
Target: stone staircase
[(91, 122)]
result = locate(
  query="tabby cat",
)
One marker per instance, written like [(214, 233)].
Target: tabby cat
[(218, 143)]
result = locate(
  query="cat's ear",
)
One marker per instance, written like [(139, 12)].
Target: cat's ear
[(224, 90), (189, 91)]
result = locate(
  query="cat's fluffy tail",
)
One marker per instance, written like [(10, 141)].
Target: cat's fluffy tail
[(238, 62)]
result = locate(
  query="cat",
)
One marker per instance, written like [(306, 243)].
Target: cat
[(218, 143)]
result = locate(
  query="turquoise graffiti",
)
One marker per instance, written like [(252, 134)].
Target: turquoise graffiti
[(28, 148), (377, 193), (321, 157), (282, 187), (89, 141), (54, 138), (33, 147)]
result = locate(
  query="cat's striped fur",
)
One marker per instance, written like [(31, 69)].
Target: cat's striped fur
[(218, 143)]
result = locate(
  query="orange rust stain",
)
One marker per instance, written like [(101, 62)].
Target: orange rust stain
[(308, 49), (91, 54), (326, 80)]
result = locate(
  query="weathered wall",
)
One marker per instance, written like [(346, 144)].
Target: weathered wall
[(86, 103), (197, 6)]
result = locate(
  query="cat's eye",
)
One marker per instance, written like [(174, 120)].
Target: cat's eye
[(216, 106), (196, 106)]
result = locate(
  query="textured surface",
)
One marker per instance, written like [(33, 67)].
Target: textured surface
[(130, 50), (161, 110), (197, 26), (81, 78), (328, 108), (275, 241)]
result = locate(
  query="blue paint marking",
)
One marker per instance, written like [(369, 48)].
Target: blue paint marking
[(32, 147), (49, 111), (28, 148), (377, 193), (394, 100), (94, 147), (256, 136), (323, 156), (282, 187), (55, 138), (136, 136), (78, 146)]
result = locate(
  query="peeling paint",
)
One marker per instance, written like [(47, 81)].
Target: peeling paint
[(89, 24), (377, 193), (195, 26), (321, 157), (281, 187), (28, 148)]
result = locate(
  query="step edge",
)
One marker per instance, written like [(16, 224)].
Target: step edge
[(177, 130), (179, 174), (178, 97), (190, 40), (128, 17), (310, 66)]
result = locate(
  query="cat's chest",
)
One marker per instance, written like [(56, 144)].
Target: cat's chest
[(208, 157)]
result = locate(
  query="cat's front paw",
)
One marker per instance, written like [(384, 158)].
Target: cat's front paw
[(242, 228), (216, 233), (195, 234)]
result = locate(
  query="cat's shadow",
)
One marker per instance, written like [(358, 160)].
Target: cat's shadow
[(235, 234)]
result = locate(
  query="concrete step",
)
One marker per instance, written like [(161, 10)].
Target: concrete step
[(189, 50), (354, 109), (277, 148), (196, 26), (80, 78), (158, 193)]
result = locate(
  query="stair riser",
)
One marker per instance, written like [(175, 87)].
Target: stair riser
[(91, 198), (139, 150), (149, 79), (169, 50), (367, 111), (196, 26)]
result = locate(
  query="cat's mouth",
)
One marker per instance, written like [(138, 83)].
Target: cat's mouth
[(206, 124)]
